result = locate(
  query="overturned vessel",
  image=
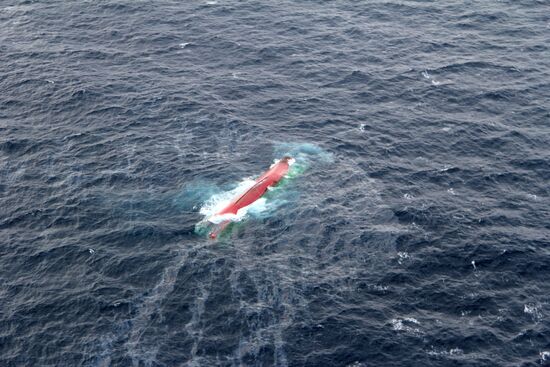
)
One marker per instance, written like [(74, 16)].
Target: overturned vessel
[(268, 179)]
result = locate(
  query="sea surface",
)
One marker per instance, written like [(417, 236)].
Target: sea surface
[(416, 231)]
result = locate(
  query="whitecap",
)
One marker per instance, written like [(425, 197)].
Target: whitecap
[(533, 310), (379, 288), (402, 256), (407, 324), (451, 352), (427, 75)]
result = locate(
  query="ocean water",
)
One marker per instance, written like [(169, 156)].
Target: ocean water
[(417, 234)]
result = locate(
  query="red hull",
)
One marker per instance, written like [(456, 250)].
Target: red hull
[(269, 178)]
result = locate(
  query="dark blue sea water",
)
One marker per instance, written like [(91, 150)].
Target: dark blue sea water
[(417, 232)]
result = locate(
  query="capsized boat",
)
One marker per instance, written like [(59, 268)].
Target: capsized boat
[(268, 179)]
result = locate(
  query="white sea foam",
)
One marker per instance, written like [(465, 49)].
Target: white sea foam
[(427, 75), (402, 256), (448, 353), (407, 324), (533, 310), (532, 196)]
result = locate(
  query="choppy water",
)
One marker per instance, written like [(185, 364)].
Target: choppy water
[(422, 241)]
